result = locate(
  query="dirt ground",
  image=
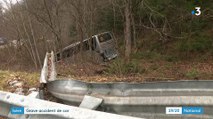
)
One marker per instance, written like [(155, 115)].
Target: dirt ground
[(91, 72), (153, 71)]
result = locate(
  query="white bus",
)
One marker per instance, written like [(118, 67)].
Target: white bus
[(103, 44)]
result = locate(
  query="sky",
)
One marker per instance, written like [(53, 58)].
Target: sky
[(5, 5)]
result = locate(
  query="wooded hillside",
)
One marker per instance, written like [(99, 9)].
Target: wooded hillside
[(148, 30)]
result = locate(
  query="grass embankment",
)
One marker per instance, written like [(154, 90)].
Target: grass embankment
[(30, 79), (138, 70)]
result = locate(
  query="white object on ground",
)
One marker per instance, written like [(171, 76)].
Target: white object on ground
[(90, 102)]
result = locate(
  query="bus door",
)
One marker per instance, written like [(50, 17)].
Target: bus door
[(94, 44)]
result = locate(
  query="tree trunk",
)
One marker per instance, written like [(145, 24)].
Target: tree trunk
[(33, 38), (134, 32), (127, 30), (28, 38)]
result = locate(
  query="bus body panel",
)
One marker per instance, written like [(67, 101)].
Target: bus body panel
[(103, 44)]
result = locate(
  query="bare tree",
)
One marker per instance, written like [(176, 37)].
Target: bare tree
[(15, 17), (33, 35), (127, 29), (81, 16)]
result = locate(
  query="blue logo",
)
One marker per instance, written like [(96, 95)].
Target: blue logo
[(17, 110), (193, 12), (192, 110)]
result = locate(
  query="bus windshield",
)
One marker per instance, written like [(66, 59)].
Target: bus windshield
[(104, 37)]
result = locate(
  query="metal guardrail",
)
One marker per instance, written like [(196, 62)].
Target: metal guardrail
[(138, 99), (147, 100), (9, 99)]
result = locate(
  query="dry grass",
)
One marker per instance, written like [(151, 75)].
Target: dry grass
[(153, 71), (30, 79)]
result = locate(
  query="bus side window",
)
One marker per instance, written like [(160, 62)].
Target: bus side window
[(93, 43), (77, 49), (86, 45), (63, 54), (68, 53), (58, 56)]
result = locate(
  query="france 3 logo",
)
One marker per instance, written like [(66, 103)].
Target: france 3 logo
[(197, 11)]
